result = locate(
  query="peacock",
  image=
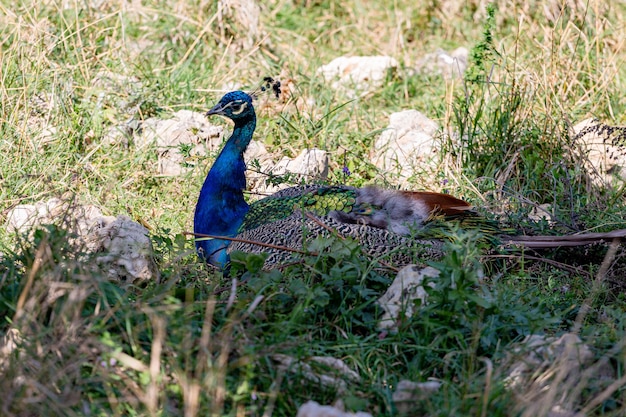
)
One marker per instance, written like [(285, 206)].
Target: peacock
[(221, 207), (382, 220)]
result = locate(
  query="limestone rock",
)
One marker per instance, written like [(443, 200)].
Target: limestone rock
[(544, 370), (336, 376), (542, 212), (186, 134), (310, 162), (258, 162), (408, 393), (360, 73), (257, 151), (401, 295), (448, 65), (407, 146), (121, 133), (538, 351), (309, 165), (123, 248), (77, 218), (314, 409), (603, 147)]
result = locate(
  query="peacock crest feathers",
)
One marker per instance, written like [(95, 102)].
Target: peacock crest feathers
[(268, 84)]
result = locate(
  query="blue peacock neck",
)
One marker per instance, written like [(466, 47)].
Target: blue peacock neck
[(221, 206)]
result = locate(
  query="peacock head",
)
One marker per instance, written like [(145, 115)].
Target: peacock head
[(235, 105)]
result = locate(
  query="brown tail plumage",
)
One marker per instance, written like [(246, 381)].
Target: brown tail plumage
[(439, 203)]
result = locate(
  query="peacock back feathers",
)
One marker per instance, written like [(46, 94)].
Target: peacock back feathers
[(319, 200)]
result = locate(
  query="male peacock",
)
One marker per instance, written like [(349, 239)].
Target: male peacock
[(377, 217), (221, 207), (382, 220)]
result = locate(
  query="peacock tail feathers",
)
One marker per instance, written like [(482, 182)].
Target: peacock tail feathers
[(440, 227)]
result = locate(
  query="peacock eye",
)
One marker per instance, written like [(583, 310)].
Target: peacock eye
[(237, 108)]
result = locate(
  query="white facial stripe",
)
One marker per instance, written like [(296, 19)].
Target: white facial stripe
[(242, 107)]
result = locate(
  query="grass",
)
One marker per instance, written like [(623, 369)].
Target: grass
[(187, 346)]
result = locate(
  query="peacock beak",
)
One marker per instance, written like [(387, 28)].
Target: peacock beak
[(217, 109)]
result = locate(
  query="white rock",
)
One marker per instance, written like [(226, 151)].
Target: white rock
[(401, 295), (75, 217), (408, 393), (337, 365), (357, 72), (309, 165), (314, 409), (538, 352), (124, 249), (544, 370), (123, 246), (21, 218), (540, 212), (258, 162), (310, 162), (257, 152), (185, 129), (336, 376), (47, 134), (407, 146), (115, 134), (449, 65), (604, 162), (121, 133)]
